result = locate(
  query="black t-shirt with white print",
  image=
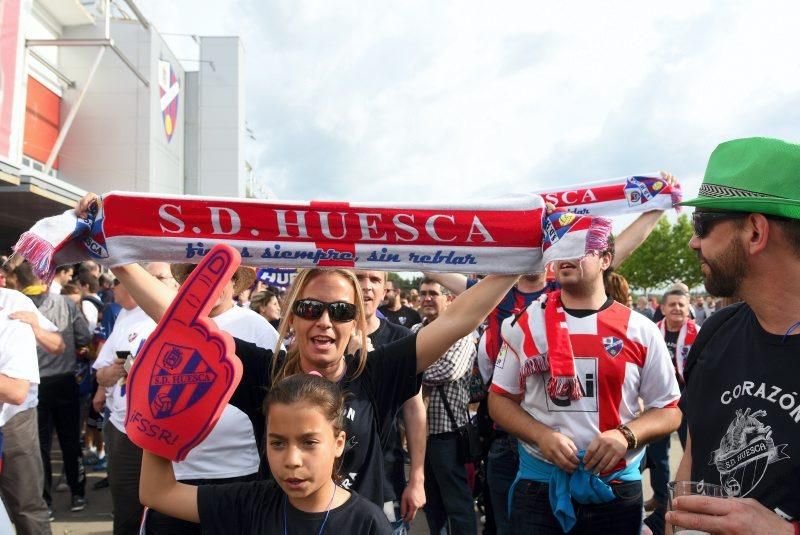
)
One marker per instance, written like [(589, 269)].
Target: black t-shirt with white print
[(394, 461), (388, 380), (405, 316), (262, 507), (742, 402)]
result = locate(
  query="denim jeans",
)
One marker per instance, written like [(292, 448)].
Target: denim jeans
[(531, 511), (657, 455), (502, 466), (449, 498)]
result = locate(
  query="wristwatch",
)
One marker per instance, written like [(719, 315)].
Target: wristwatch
[(629, 436)]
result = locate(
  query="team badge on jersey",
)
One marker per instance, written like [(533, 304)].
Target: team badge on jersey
[(613, 345), (180, 379), (168, 90)]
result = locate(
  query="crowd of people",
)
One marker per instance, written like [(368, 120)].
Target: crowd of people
[(502, 404)]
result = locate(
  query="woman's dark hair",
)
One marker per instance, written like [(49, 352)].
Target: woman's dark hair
[(317, 391), (262, 298), (616, 286), (70, 289)]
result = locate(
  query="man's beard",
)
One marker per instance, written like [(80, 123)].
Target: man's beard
[(580, 286), (726, 272)]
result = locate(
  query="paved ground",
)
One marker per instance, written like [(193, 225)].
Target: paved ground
[(96, 518)]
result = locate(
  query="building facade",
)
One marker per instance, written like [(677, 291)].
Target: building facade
[(93, 99)]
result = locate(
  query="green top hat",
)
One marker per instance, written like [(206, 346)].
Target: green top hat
[(756, 174)]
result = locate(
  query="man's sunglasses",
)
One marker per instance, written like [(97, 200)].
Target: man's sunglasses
[(311, 309), (704, 221)]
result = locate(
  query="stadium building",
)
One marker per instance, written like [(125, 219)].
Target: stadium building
[(93, 99)]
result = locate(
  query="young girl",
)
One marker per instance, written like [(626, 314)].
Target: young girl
[(305, 442)]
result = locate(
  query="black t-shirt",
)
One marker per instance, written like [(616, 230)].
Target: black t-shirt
[(743, 408), (405, 316), (388, 380), (259, 507), (393, 459), (671, 338)]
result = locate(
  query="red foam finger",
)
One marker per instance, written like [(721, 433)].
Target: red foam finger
[(214, 271), (187, 370)]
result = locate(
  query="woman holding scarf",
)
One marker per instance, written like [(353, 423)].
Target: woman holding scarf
[(325, 312)]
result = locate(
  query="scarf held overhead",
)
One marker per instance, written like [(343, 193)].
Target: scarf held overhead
[(502, 235)]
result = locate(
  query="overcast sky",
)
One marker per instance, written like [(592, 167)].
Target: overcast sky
[(456, 100)]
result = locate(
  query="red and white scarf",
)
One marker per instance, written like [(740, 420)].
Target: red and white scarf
[(686, 338), (540, 338), (490, 236)]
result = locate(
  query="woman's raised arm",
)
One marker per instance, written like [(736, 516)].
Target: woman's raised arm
[(149, 293), (463, 316)]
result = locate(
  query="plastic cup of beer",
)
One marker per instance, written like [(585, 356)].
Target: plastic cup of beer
[(690, 488)]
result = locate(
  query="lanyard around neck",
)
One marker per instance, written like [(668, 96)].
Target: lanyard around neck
[(324, 521)]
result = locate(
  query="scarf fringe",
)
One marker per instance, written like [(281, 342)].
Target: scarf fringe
[(39, 252), (561, 387), (597, 236), (537, 364)]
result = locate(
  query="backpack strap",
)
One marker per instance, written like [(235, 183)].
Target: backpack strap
[(709, 329)]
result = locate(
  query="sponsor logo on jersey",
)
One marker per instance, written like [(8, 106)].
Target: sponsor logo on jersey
[(587, 372), (613, 345), (501, 357), (179, 379), (745, 452)]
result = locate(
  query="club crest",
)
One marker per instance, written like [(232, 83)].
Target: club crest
[(556, 226), (168, 90), (179, 379), (89, 231), (613, 345), (745, 452), (641, 189)]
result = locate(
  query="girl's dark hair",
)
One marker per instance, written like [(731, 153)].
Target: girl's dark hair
[(317, 391)]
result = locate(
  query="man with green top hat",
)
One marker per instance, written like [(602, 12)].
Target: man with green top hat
[(742, 397)]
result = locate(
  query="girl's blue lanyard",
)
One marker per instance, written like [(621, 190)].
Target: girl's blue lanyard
[(324, 521)]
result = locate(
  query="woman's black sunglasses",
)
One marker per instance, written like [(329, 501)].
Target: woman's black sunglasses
[(311, 309)]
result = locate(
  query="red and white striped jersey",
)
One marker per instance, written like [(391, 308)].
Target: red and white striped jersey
[(619, 358)]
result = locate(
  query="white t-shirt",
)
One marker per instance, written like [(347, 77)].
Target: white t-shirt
[(55, 288), (18, 360), (619, 357), (13, 301), (230, 449), (130, 330), (91, 313)]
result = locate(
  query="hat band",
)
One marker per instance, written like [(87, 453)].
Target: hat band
[(714, 190)]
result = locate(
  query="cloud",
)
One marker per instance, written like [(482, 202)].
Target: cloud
[(453, 100)]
